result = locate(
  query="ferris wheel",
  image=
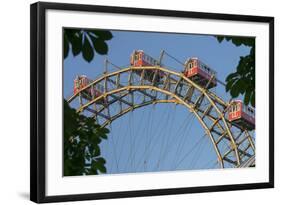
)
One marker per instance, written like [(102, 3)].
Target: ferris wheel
[(153, 138)]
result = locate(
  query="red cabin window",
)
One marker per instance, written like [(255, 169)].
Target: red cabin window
[(235, 111), (236, 107), (190, 65)]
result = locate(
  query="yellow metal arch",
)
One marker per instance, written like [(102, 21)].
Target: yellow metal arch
[(215, 103)]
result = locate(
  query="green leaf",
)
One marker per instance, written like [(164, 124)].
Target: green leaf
[(87, 50), (75, 39), (229, 84), (253, 99), (100, 164), (99, 45), (236, 41), (105, 130), (93, 40), (66, 46), (77, 45), (220, 38), (102, 135), (234, 91), (231, 76), (241, 86), (243, 80), (100, 160), (96, 151), (247, 97), (102, 169), (83, 146), (102, 34)]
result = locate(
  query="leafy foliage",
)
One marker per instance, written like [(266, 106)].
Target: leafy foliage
[(82, 137), (86, 41), (243, 80)]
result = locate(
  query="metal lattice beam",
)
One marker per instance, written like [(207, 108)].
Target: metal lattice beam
[(174, 87)]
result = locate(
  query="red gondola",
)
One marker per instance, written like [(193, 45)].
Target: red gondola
[(241, 115), (140, 59), (200, 73), (92, 92)]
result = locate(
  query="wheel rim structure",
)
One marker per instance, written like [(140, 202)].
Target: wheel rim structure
[(121, 88)]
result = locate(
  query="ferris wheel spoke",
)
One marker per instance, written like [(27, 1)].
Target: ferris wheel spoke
[(199, 153), (114, 151), (184, 138), (163, 139), (190, 151)]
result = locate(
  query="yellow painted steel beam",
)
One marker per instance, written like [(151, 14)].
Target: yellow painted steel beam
[(107, 75), (177, 77), (167, 93)]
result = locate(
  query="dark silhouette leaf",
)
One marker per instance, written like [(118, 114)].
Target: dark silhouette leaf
[(243, 80), (231, 76), (229, 84), (100, 160), (86, 41), (87, 50), (102, 34), (253, 99), (66, 46), (102, 169), (247, 97), (97, 151), (81, 144), (77, 45), (99, 45), (220, 38), (235, 90)]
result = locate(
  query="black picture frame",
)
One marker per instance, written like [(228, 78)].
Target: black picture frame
[(38, 100)]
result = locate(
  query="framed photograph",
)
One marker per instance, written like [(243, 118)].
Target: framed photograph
[(129, 102)]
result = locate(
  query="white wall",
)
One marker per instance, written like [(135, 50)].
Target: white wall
[(14, 116)]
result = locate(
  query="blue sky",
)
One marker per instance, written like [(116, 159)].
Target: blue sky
[(172, 132)]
